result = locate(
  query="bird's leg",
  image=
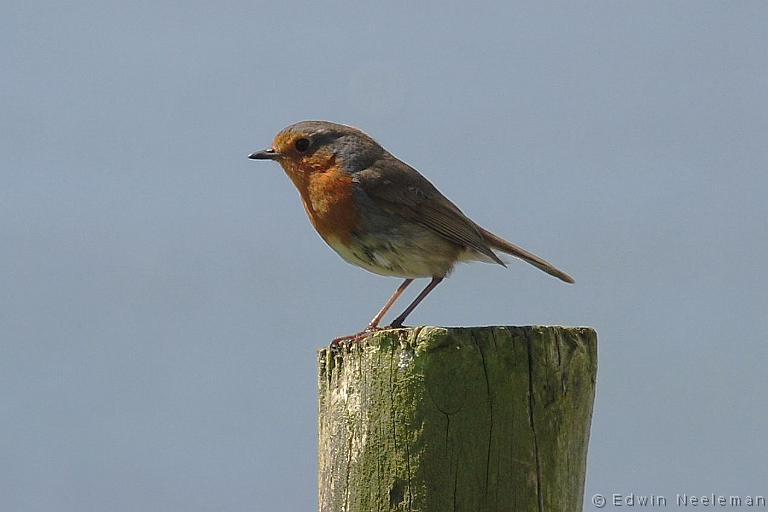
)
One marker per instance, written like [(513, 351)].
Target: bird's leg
[(398, 322), (374, 323)]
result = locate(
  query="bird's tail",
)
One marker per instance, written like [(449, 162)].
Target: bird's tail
[(502, 245)]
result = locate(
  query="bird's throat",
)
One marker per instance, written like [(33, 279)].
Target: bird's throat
[(327, 195)]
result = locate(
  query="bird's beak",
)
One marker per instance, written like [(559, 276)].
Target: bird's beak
[(265, 154)]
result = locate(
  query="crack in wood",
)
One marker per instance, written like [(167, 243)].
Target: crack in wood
[(455, 484), (531, 401), (348, 470), (490, 409), (408, 467)]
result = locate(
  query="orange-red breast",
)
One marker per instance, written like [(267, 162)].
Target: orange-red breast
[(379, 213)]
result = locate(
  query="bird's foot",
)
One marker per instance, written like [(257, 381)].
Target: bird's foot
[(355, 338)]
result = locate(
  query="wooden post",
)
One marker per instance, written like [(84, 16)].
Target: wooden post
[(433, 419)]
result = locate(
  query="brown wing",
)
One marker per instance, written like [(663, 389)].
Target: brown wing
[(400, 189)]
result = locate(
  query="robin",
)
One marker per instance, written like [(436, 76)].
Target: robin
[(381, 214)]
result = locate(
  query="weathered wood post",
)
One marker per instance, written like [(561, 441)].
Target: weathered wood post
[(438, 419)]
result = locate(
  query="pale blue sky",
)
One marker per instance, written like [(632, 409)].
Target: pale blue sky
[(163, 296)]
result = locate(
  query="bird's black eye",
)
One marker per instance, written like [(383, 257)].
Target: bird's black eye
[(302, 145)]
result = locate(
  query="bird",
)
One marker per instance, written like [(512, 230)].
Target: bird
[(380, 214)]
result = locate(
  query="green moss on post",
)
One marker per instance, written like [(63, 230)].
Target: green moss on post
[(438, 419)]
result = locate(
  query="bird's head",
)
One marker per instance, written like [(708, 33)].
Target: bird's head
[(314, 146)]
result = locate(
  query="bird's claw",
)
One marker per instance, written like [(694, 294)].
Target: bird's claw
[(355, 338)]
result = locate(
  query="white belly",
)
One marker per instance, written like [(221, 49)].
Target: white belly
[(404, 260)]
